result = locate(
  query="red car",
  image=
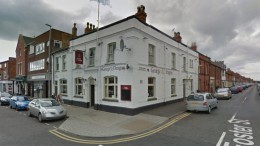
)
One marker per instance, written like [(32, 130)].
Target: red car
[(240, 88)]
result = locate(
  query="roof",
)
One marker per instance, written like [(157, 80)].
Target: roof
[(128, 18), (27, 40)]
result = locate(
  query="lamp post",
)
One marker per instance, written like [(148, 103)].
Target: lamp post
[(49, 65)]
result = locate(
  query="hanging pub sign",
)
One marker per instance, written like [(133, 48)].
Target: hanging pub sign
[(78, 57)]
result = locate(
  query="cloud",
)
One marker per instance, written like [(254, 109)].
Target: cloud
[(29, 17)]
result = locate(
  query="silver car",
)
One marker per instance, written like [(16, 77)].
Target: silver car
[(201, 102), (223, 93), (46, 109)]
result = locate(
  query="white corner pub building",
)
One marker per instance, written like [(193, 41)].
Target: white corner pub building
[(125, 67)]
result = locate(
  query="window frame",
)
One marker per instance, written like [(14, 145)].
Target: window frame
[(57, 66), (78, 84), (153, 85), (107, 85), (92, 52), (151, 54), (111, 47), (62, 85), (64, 62), (173, 87), (173, 60)]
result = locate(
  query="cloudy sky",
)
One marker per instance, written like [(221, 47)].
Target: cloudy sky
[(225, 30)]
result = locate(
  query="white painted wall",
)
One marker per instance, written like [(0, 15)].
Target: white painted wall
[(137, 37)]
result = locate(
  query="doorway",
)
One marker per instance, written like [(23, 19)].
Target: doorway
[(92, 95)]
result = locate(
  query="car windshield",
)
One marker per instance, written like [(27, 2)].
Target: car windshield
[(21, 98), (49, 103), (222, 90), (195, 97)]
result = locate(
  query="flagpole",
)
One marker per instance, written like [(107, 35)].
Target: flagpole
[(99, 72)]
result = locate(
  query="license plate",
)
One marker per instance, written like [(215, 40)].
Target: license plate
[(194, 103)]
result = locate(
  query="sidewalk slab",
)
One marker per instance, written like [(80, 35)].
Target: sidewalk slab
[(94, 123)]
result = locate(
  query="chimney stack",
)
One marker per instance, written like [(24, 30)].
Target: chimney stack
[(141, 15), (194, 46), (74, 30), (88, 28), (177, 37)]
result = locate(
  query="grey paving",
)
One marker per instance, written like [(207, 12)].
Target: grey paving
[(94, 123)]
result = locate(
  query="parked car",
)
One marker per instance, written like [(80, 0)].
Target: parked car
[(19, 102), (223, 93), (5, 98), (201, 102), (46, 109), (240, 88), (234, 90)]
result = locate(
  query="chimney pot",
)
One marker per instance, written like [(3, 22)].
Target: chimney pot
[(74, 30), (141, 15)]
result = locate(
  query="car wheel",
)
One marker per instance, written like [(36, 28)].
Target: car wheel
[(1, 103), (17, 108), (209, 110), (40, 117), (29, 113), (11, 107)]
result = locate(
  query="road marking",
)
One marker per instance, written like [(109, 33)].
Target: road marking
[(233, 117), (221, 139), (226, 144), (119, 140), (47, 124), (244, 100)]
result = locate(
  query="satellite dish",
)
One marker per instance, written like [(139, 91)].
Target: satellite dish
[(122, 45)]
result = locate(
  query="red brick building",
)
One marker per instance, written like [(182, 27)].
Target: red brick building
[(7, 75), (22, 49), (215, 76), (204, 73), (39, 74)]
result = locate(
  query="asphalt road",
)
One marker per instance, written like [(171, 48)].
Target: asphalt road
[(235, 122)]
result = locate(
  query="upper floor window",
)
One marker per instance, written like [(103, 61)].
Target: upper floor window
[(31, 49), (151, 55), (37, 65), (78, 86), (91, 56), (57, 44), (173, 60), (111, 52), (191, 63), (40, 48), (111, 87), (184, 63), (57, 64), (20, 52), (63, 62), (0, 65), (19, 68), (5, 65)]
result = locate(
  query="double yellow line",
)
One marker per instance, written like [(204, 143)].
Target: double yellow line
[(119, 140)]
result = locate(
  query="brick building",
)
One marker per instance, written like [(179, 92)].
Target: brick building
[(7, 76), (39, 74), (22, 49)]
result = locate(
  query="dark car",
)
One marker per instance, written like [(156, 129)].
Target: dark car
[(234, 90), (5, 98)]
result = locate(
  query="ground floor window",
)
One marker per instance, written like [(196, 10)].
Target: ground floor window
[(110, 87), (78, 86), (173, 87), (151, 87), (63, 86)]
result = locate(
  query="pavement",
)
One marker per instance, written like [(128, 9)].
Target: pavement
[(94, 123)]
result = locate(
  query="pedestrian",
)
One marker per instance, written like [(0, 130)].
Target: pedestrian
[(59, 98), (38, 92), (54, 96)]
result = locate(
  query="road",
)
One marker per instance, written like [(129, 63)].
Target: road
[(235, 123)]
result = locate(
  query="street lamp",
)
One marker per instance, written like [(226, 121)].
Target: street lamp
[(49, 62)]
